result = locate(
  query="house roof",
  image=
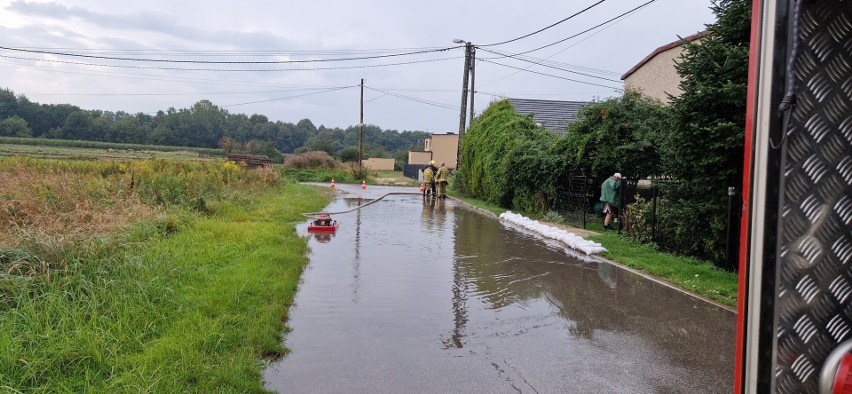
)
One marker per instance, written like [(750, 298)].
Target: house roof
[(552, 114), (673, 44)]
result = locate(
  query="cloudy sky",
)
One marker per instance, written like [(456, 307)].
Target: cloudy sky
[(293, 60)]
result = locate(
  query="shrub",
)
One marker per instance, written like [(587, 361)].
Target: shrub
[(311, 159), (553, 217), (638, 221)]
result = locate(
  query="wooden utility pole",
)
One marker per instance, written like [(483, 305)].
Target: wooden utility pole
[(361, 135)]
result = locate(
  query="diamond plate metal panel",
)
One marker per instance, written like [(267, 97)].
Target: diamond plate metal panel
[(813, 311)]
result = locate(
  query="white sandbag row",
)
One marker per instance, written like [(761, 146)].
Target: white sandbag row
[(572, 240)]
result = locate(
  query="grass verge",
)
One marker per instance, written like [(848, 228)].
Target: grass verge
[(690, 274), (191, 303)]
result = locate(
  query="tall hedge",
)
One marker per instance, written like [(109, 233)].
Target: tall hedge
[(502, 159)]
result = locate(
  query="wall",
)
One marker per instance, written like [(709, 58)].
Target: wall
[(445, 149), (419, 157), (379, 164), (658, 76)]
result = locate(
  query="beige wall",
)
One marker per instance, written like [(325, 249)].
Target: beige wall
[(658, 76), (419, 157), (445, 149), (379, 164)]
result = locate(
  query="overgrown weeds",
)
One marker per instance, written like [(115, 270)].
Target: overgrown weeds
[(178, 301)]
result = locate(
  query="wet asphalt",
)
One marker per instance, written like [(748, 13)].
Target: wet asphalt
[(414, 295)]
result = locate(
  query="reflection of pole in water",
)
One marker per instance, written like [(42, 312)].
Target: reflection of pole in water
[(356, 264), (459, 307), (459, 296)]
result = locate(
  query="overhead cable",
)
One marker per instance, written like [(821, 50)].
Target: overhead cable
[(584, 31), (227, 69), (224, 61), (545, 28), (290, 97), (551, 75), (415, 99), (553, 67)]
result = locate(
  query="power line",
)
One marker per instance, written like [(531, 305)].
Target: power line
[(224, 61), (536, 94), (545, 28), (290, 97), (225, 69), (616, 20), (218, 52), (555, 63), (178, 94), (194, 80), (550, 75), (419, 100), (582, 32), (553, 67)]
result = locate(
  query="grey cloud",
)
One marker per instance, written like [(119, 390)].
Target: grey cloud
[(156, 23)]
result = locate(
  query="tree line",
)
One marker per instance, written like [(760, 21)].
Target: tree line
[(203, 125)]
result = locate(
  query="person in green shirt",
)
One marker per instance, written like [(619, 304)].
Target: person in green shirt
[(609, 196)]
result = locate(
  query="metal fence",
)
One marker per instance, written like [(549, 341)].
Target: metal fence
[(573, 202)]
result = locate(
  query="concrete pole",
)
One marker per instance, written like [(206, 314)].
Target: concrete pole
[(361, 135), (462, 121)]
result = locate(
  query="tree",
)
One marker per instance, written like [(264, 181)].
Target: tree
[(78, 126), (617, 135), (14, 127), (8, 104), (704, 149), (349, 154)]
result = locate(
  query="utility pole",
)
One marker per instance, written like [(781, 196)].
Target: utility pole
[(361, 135), (468, 63), (462, 120), (472, 68)]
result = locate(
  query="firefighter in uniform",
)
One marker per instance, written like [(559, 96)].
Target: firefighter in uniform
[(442, 177), (428, 181)]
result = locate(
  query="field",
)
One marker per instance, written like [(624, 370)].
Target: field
[(68, 152), (152, 275)]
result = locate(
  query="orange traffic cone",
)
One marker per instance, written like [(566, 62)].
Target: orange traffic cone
[(332, 183), (363, 184)]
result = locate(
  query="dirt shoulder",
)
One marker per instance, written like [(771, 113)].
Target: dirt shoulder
[(393, 178)]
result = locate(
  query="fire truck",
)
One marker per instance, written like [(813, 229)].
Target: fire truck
[(794, 329)]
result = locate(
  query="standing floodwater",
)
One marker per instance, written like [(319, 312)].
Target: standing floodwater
[(425, 296)]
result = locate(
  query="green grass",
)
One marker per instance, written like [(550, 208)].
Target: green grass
[(186, 304), (693, 275), (696, 276), (478, 203)]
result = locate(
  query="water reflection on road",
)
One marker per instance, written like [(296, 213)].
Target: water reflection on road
[(414, 295)]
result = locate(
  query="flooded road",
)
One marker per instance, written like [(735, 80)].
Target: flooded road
[(424, 296)]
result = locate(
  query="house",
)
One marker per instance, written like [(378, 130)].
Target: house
[(439, 147), (553, 115), (655, 76)]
